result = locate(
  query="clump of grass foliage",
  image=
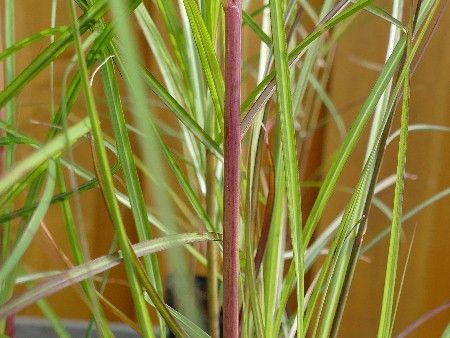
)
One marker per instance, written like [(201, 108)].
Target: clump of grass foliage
[(238, 177)]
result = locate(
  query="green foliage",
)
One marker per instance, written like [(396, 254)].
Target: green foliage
[(182, 94)]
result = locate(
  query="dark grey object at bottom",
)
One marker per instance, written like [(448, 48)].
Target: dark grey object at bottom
[(29, 327)]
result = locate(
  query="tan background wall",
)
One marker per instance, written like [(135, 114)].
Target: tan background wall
[(428, 275)]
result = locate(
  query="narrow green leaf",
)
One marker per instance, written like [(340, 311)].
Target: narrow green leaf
[(151, 152), (350, 141), (33, 225), (384, 329), (289, 150), (265, 89), (181, 114), (31, 39), (248, 20), (129, 170), (191, 328), (273, 267), (79, 254), (106, 183), (43, 59), (9, 140), (205, 49), (49, 150), (329, 104)]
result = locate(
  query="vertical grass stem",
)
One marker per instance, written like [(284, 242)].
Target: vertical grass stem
[(232, 10)]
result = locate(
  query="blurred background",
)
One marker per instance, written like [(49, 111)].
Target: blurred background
[(358, 57)]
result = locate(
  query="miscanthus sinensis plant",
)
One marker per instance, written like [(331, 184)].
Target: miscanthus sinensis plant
[(239, 169)]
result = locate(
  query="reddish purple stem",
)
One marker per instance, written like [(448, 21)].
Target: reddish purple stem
[(231, 169), (10, 329)]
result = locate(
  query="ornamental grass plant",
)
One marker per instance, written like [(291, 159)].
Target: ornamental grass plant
[(206, 148)]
